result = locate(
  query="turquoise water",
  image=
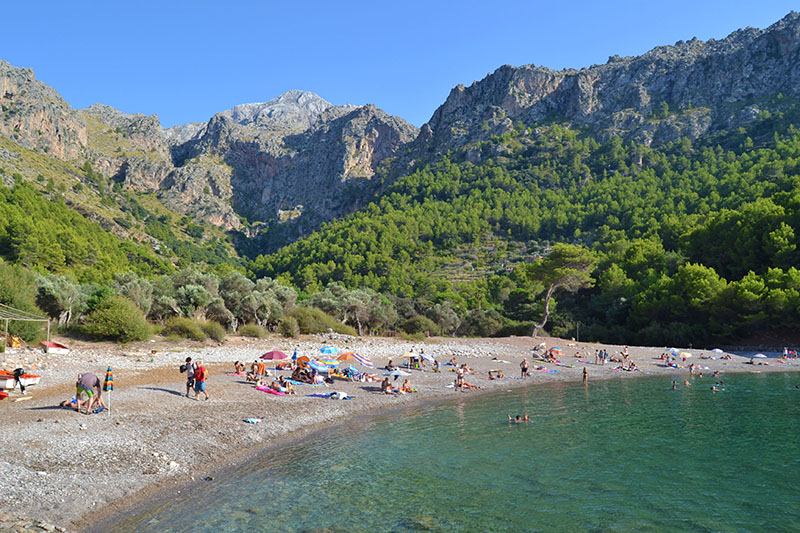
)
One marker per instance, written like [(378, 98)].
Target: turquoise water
[(621, 455)]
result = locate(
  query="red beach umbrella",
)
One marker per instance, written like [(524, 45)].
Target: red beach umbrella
[(274, 355)]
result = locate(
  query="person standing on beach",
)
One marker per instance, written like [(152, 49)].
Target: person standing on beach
[(523, 367), (200, 377), (190, 371)]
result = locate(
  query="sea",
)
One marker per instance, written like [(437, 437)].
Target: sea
[(617, 455)]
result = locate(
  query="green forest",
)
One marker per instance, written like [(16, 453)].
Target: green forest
[(688, 242)]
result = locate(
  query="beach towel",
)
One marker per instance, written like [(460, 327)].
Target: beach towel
[(253, 420), (293, 382), (270, 391), (235, 374), (565, 365)]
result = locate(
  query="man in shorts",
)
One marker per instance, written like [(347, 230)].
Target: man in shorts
[(85, 388), (200, 377)]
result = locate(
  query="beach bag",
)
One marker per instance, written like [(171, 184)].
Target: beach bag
[(183, 368)]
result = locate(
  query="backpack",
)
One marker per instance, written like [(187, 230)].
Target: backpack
[(183, 368)]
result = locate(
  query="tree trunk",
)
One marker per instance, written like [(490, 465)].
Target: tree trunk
[(547, 298)]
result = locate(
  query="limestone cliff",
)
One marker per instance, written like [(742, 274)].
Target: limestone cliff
[(35, 116), (683, 90)]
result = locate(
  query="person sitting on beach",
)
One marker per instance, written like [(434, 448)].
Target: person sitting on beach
[(500, 374), (239, 367), (632, 367), (386, 387), (452, 362), (436, 366), (288, 389), (491, 377), (390, 366), (406, 387)]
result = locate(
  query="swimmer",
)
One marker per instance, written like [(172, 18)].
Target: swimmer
[(714, 388), (674, 385), (687, 383), (516, 420)]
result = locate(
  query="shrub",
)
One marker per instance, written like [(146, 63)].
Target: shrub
[(313, 320), (213, 330), (252, 330), (117, 318), (289, 327), (18, 289), (420, 324), (185, 328)]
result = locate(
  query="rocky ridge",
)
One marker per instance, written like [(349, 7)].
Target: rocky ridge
[(36, 117), (671, 91)]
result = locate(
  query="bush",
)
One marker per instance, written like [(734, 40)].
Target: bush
[(313, 320), (117, 318), (251, 330), (213, 330), (18, 290), (289, 327), (420, 324), (185, 328)]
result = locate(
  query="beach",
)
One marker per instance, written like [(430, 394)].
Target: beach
[(71, 470)]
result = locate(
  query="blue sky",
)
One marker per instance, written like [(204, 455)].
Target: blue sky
[(186, 61)]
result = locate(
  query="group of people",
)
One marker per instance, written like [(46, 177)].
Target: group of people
[(405, 388), (196, 378), (88, 395)]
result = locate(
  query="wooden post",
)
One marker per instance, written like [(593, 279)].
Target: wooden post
[(5, 338), (48, 330)]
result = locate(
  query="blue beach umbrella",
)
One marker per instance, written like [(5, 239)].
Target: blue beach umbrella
[(328, 350), (319, 367)]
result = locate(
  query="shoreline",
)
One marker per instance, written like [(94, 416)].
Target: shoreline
[(149, 447)]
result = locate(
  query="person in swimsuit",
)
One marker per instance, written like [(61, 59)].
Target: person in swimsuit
[(523, 367)]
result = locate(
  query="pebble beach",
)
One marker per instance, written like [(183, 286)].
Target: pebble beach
[(67, 471)]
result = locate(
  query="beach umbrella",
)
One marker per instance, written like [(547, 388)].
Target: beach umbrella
[(275, 355), (410, 354), (673, 351), (328, 350), (427, 357), (556, 350), (108, 386), (330, 362), (717, 350), (303, 360), (684, 354), (294, 355), (760, 356), (319, 367), (364, 360)]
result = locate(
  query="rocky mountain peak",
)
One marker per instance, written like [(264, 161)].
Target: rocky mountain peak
[(295, 110), (35, 116)]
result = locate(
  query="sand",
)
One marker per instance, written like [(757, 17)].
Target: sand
[(72, 470)]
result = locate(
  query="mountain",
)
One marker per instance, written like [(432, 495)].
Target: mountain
[(35, 116), (684, 90), (294, 157)]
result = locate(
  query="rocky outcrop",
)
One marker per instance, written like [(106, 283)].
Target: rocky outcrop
[(35, 116), (132, 149), (297, 157), (671, 91)]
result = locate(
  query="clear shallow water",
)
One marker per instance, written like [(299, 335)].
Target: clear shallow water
[(617, 456)]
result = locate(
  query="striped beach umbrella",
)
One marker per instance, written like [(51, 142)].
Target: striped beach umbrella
[(364, 360), (108, 386), (330, 362)]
